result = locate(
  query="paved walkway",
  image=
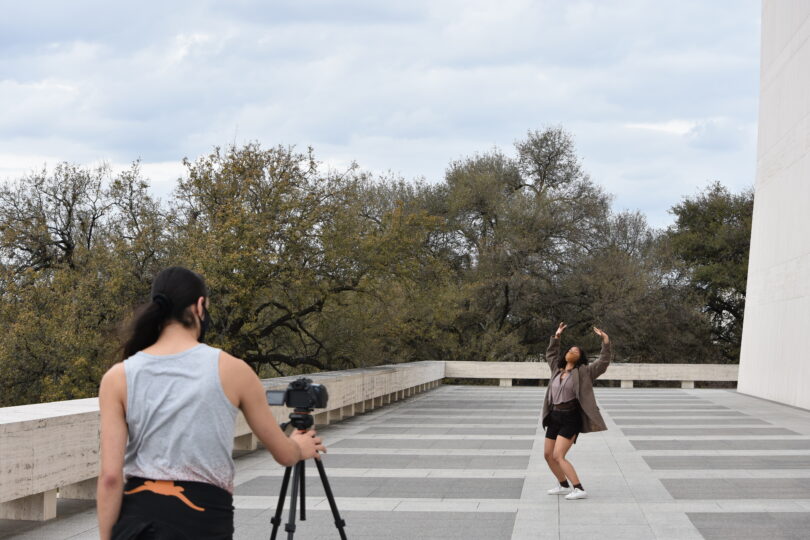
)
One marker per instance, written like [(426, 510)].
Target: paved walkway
[(465, 462)]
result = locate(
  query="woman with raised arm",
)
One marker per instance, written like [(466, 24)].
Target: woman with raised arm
[(167, 422), (570, 408)]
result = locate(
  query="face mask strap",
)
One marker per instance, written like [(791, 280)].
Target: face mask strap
[(205, 324)]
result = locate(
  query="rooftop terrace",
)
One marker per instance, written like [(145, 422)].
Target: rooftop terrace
[(467, 462)]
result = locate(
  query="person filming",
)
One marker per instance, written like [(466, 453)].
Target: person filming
[(569, 408), (167, 422)]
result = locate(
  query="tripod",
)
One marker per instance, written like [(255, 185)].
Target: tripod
[(302, 419)]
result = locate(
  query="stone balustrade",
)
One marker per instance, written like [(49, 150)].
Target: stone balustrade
[(51, 450), (506, 372)]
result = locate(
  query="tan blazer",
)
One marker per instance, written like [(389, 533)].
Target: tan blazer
[(583, 378)]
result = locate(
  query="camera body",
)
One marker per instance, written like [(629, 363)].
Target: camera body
[(301, 394)]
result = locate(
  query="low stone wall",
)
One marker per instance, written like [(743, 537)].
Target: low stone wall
[(505, 372), (52, 449)]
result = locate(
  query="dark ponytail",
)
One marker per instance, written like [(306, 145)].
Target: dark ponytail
[(173, 291)]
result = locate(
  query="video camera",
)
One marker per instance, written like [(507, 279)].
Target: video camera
[(301, 394)]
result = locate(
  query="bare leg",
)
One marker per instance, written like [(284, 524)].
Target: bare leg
[(548, 453), (560, 450)]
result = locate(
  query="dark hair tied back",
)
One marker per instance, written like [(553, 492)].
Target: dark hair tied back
[(173, 291), (583, 358), (164, 303)]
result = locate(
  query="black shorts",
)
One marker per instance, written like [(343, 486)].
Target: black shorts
[(564, 423), (174, 510)]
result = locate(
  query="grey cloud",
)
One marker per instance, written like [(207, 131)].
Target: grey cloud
[(406, 86)]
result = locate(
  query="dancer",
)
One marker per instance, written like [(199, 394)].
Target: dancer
[(570, 408)]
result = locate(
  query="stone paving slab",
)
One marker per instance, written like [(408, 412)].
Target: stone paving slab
[(653, 400), (422, 444), (461, 413), (408, 461), (708, 431), (449, 430), (728, 462), (676, 413), (388, 526), (676, 407), (689, 421), (738, 488), (496, 420), (482, 405), (708, 444), (399, 488), (733, 525)]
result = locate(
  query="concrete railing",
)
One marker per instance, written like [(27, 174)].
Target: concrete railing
[(51, 450), (687, 374)]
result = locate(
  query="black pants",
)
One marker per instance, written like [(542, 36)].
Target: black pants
[(176, 510)]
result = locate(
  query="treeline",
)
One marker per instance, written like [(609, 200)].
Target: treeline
[(313, 270)]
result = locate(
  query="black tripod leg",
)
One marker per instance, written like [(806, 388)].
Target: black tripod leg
[(339, 522), (303, 489), (276, 520), (290, 526)]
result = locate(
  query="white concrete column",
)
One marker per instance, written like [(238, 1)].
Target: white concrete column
[(687, 384), (39, 507), (777, 298), (335, 415), (627, 384), (505, 382)]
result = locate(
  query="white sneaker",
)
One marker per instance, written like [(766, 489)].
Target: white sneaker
[(576, 494), (559, 490)]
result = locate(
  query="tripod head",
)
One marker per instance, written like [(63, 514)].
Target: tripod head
[(300, 418)]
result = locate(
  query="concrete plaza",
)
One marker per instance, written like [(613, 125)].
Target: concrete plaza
[(466, 462)]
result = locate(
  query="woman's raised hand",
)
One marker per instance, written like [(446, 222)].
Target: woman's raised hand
[(600, 333), (560, 330)]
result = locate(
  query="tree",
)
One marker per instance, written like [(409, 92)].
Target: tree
[(286, 249), (75, 246), (312, 270), (711, 239)]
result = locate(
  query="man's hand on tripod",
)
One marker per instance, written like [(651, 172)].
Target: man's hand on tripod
[(309, 443)]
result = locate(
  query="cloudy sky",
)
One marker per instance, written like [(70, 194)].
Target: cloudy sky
[(661, 96)]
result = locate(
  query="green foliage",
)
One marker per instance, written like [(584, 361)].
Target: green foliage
[(70, 272), (311, 270), (711, 239)]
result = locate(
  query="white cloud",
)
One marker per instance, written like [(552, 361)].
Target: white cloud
[(675, 127), (183, 45)]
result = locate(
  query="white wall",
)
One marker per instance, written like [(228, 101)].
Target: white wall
[(776, 332)]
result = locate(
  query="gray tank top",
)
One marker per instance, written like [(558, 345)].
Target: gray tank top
[(180, 421)]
